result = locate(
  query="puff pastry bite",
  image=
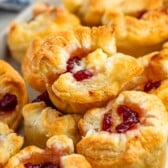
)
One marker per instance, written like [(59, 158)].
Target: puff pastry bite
[(59, 152), (80, 68), (91, 11), (41, 7), (155, 70), (42, 121), (21, 34), (10, 143), (131, 131), (139, 36), (13, 95)]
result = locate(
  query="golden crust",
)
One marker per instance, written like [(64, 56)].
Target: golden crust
[(95, 47), (162, 92), (12, 83), (21, 34), (155, 70), (30, 74), (139, 36), (59, 151), (92, 11), (143, 145), (10, 143), (42, 122)]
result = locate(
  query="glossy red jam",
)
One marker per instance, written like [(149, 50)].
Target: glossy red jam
[(43, 165), (72, 62), (151, 85), (82, 75), (8, 102), (130, 118), (107, 122), (44, 97)]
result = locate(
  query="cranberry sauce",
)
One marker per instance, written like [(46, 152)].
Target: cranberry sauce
[(8, 102), (44, 97), (107, 122), (130, 119), (71, 63), (43, 165), (81, 74), (151, 85)]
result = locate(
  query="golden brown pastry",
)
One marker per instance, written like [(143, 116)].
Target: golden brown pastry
[(42, 121), (139, 36), (30, 74), (10, 143), (160, 89), (155, 70), (21, 34), (131, 131), (91, 11), (82, 69), (13, 95), (58, 153)]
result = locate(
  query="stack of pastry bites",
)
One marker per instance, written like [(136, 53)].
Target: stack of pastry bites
[(100, 67)]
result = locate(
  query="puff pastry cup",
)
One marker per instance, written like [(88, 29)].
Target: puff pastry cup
[(80, 68), (59, 152), (13, 95), (10, 143), (21, 34), (131, 131), (91, 11), (42, 121), (142, 35), (155, 75)]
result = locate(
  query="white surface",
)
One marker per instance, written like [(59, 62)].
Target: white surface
[(6, 18)]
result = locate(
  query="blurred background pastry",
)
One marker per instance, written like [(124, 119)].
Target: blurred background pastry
[(13, 95)]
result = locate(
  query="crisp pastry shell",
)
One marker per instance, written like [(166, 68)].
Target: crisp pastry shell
[(42, 122), (96, 47), (11, 82), (30, 74), (10, 143), (142, 146)]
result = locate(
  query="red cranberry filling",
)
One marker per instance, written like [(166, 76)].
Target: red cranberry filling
[(8, 102), (151, 85), (107, 122), (82, 74), (44, 165), (140, 14), (71, 63), (130, 119), (44, 97)]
